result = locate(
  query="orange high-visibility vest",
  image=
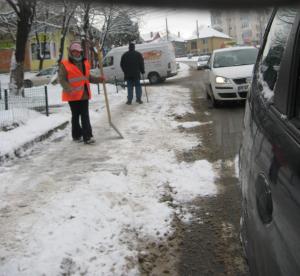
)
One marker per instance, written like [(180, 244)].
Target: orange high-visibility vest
[(77, 80)]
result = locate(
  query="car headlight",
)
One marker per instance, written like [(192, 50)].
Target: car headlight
[(222, 80), (249, 79)]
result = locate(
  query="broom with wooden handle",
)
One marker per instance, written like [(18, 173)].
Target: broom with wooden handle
[(105, 92), (145, 88)]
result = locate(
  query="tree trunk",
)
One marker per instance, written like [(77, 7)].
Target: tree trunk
[(25, 17), (43, 46), (61, 47), (17, 69), (43, 50), (16, 76), (65, 28)]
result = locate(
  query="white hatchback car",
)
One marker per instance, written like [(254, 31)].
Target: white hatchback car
[(230, 73), (43, 77)]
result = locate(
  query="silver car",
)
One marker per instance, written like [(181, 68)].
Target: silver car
[(202, 61), (41, 78)]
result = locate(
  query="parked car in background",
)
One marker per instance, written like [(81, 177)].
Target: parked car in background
[(43, 77), (230, 73), (270, 152), (202, 61)]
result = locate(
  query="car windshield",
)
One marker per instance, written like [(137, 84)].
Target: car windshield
[(46, 72), (235, 58), (203, 58)]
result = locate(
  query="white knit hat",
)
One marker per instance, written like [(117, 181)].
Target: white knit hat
[(75, 45)]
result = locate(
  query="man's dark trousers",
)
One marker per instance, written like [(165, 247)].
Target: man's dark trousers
[(138, 89), (80, 109)]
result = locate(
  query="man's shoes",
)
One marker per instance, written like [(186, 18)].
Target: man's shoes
[(139, 101), (90, 141), (78, 140), (128, 102)]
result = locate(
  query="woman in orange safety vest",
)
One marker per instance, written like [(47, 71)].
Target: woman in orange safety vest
[(75, 79)]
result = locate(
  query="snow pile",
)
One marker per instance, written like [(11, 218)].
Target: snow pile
[(187, 59), (30, 127), (237, 166), (189, 124), (93, 229), (15, 117)]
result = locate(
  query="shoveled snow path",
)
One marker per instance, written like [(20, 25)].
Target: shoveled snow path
[(77, 209)]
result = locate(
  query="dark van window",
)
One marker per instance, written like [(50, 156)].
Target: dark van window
[(269, 63), (108, 61)]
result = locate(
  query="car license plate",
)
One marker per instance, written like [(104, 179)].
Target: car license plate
[(243, 87)]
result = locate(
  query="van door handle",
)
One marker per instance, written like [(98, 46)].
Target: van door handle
[(264, 202), (112, 68)]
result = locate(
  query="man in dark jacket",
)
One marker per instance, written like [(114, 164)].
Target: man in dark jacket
[(132, 64)]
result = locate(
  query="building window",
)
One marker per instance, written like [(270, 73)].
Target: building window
[(247, 36), (40, 50), (194, 44), (245, 25), (204, 41)]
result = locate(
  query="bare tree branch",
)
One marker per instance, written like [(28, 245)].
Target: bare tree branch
[(14, 7)]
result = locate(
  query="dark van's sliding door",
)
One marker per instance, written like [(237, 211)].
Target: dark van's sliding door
[(273, 191)]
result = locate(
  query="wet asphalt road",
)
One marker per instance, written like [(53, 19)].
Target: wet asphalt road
[(210, 244)]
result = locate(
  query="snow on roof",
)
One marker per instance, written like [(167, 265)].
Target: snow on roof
[(149, 37), (146, 37), (162, 36), (171, 37), (206, 32)]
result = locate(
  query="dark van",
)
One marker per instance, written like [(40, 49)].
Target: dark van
[(270, 152)]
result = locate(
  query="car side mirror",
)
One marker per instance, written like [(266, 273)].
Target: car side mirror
[(206, 66)]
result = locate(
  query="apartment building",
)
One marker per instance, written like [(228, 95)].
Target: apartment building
[(245, 27)]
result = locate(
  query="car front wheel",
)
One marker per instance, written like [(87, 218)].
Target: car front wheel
[(154, 78), (210, 95), (216, 103), (27, 83)]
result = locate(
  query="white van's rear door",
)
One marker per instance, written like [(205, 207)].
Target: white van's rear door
[(172, 66), (109, 68)]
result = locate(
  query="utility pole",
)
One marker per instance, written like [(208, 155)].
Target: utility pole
[(167, 30), (197, 30)]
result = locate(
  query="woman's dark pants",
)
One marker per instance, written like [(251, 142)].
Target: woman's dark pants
[(80, 111)]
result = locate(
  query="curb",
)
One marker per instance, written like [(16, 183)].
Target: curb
[(16, 152)]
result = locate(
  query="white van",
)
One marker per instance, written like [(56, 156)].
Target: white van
[(159, 58)]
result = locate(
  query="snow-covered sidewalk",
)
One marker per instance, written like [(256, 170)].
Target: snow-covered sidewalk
[(32, 125), (73, 209)]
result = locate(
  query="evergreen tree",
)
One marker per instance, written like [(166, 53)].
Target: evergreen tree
[(124, 31)]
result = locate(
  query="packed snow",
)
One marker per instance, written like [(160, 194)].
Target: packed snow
[(72, 209), (190, 124)]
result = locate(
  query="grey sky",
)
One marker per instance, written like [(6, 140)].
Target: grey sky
[(183, 21)]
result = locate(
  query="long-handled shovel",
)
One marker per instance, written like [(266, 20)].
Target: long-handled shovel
[(105, 93), (145, 88)]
